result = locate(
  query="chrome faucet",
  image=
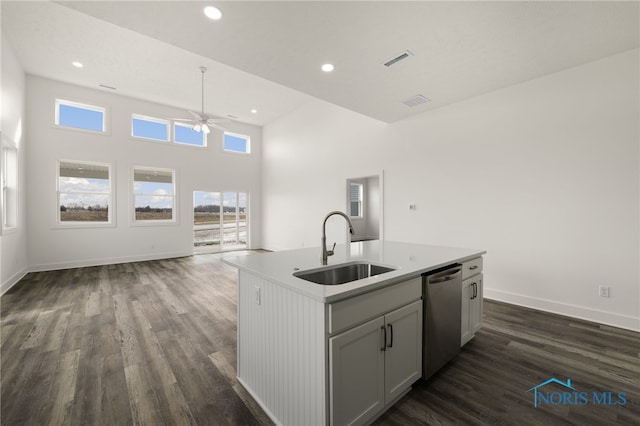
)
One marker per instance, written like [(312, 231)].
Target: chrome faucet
[(326, 253)]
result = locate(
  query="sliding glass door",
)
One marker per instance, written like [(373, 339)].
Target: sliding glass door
[(220, 221)]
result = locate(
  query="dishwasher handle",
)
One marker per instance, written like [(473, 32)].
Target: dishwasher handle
[(447, 275)]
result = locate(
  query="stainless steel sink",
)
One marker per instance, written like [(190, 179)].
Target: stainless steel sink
[(343, 273)]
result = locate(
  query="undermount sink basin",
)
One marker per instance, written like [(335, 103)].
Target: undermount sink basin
[(343, 273)]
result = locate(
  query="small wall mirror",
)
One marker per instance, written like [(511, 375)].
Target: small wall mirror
[(364, 207)]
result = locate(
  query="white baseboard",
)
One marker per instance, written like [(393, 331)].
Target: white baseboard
[(106, 261), (581, 312), (5, 286)]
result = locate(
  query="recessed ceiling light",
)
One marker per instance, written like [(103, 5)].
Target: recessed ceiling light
[(254, 111), (327, 67), (77, 64), (212, 12)]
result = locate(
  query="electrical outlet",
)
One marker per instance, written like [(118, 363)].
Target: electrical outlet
[(603, 291)]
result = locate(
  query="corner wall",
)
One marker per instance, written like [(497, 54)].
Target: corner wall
[(13, 243), (201, 169), (544, 175)]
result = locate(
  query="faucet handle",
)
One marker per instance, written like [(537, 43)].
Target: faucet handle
[(330, 252)]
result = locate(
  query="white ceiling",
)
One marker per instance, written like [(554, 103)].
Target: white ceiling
[(267, 55)]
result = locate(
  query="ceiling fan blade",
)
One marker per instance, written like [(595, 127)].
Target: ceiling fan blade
[(215, 125), (195, 115), (217, 120)]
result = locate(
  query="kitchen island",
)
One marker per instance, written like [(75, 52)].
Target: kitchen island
[(313, 354)]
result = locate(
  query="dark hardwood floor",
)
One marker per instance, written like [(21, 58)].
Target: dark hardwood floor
[(154, 343)]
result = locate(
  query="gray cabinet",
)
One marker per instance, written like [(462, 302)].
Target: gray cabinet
[(373, 364), (471, 317)]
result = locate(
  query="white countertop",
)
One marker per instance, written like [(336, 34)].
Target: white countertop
[(411, 260)]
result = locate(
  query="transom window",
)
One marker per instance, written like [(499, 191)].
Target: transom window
[(149, 128), (154, 194), (184, 133), (80, 116), (236, 143), (84, 192)]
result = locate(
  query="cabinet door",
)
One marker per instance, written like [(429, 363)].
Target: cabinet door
[(403, 355), (475, 307), (465, 322), (356, 373)]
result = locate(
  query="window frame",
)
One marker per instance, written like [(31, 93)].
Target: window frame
[(174, 196), (237, 135), (82, 105), (9, 179), (205, 136), (143, 117), (111, 207)]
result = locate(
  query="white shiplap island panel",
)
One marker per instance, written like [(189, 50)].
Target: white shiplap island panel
[(283, 334), (281, 351)]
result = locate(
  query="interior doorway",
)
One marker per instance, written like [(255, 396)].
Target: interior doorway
[(220, 221), (364, 206)]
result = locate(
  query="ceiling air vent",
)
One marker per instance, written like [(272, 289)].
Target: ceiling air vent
[(416, 100), (401, 57)]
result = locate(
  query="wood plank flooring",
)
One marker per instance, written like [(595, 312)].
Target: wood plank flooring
[(154, 343)]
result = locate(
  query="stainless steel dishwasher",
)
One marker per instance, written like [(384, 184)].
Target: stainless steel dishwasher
[(442, 298)]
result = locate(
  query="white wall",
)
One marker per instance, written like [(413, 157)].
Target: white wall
[(543, 175), (206, 169), (13, 243)]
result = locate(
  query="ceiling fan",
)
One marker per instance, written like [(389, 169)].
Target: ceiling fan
[(203, 122)]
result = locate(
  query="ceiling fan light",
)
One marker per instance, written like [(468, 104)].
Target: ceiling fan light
[(197, 127), (205, 129)]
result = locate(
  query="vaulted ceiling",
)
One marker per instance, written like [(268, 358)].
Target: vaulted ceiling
[(267, 55)]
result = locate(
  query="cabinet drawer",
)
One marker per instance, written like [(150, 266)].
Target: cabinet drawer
[(471, 268), (350, 312)]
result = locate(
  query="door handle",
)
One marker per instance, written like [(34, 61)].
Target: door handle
[(390, 327), (384, 338)]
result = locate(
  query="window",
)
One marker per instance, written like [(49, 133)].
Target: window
[(153, 193), (9, 181), (149, 128), (236, 143), (80, 116), (84, 192), (183, 133), (355, 199)]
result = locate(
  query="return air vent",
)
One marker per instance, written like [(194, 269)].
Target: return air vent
[(416, 100), (401, 57)]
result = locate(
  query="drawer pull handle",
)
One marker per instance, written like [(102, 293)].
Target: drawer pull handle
[(473, 267)]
